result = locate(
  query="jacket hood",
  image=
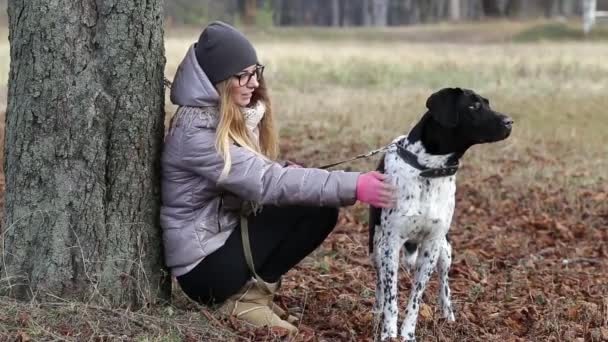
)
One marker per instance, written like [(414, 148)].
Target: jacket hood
[(191, 86)]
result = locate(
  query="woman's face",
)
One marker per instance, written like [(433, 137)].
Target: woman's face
[(244, 84)]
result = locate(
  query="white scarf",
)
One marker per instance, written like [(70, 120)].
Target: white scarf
[(253, 116)]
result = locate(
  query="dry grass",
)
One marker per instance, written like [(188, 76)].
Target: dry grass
[(343, 92), (71, 321)]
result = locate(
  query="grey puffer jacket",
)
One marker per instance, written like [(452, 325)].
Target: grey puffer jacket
[(198, 210)]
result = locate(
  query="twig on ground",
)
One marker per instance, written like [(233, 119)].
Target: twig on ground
[(580, 259)]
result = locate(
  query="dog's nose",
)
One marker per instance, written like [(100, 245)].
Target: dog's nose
[(508, 122)]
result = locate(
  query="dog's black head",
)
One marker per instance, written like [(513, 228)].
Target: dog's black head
[(459, 118)]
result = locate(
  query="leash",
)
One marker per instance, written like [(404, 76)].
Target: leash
[(365, 155), (245, 211)]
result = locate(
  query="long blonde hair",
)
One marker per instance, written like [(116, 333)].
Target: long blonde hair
[(232, 129)]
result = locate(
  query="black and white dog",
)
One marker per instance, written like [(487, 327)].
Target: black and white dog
[(422, 166)]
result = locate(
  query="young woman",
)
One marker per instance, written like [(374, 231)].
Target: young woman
[(218, 158)]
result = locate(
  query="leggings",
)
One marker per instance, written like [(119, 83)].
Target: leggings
[(280, 237)]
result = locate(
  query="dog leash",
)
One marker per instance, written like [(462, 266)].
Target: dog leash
[(360, 156), (246, 210), (408, 157)]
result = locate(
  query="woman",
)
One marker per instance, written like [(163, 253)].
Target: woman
[(219, 155)]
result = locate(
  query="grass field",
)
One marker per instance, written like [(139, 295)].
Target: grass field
[(530, 230)]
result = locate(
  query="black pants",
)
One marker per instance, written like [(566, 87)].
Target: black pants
[(280, 237)]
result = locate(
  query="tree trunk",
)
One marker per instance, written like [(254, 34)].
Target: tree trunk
[(367, 13), (455, 10), (472, 9), (352, 12), (249, 12), (567, 8), (335, 12), (379, 12), (494, 8), (514, 8), (84, 126), (589, 8), (551, 8)]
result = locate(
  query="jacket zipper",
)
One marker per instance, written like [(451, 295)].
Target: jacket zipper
[(219, 209)]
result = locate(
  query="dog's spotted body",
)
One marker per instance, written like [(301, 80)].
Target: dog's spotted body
[(456, 120)]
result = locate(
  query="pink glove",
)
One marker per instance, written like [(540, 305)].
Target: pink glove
[(372, 189)]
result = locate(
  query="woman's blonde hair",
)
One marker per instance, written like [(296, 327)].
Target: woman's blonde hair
[(232, 128)]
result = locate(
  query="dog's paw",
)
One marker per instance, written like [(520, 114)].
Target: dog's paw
[(448, 316), (409, 337)]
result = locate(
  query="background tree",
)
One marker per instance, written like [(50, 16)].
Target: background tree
[(248, 11), (365, 12), (84, 125)]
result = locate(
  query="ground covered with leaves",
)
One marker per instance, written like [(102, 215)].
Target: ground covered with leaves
[(528, 266), (519, 273)]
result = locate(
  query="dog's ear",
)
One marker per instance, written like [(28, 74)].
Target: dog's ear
[(443, 106)]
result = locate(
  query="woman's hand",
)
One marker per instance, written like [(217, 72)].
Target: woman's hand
[(373, 189)]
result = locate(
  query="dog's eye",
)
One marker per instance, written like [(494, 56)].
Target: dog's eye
[(475, 106)]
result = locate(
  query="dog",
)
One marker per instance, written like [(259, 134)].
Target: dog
[(422, 166)]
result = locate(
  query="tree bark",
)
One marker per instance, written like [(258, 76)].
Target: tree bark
[(84, 127)]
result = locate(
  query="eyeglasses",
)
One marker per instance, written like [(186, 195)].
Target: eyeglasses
[(245, 77)]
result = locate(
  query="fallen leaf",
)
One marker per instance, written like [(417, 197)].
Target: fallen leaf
[(23, 337), (604, 333), (425, 312)]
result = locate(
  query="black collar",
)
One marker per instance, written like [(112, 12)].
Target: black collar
[(412, 160)]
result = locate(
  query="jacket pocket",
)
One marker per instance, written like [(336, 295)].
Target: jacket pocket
[(206, 221)]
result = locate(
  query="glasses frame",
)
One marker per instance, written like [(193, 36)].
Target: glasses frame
[(245, 77)]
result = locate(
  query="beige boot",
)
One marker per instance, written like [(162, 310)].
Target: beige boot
[(251, 304), (273, 287)]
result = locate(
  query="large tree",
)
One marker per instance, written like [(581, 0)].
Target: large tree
[(84, 125)]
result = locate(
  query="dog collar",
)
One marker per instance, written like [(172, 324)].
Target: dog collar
[(412, 160)]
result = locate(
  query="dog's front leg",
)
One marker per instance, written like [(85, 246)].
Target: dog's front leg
[(425, 265), (443, 266), (387, 263), (377, 261)]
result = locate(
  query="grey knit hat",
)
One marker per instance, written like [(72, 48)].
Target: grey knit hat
[(223, 51)]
